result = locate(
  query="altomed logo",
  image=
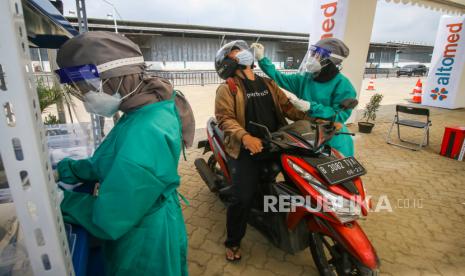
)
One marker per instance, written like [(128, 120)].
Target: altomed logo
[(443, 73)]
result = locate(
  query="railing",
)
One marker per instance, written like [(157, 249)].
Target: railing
[(380, 72), (180, 78), (205, 77), (177, 78), (45, 78)]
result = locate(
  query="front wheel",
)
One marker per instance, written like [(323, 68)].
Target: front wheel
[(332, 259)]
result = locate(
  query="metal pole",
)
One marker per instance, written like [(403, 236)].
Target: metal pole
[(40, 60), (24, 151), (82, 16), (184, 50), (114, 20), (114, 14), (82, 22), (222, 40)]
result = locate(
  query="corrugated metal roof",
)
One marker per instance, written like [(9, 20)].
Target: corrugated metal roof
[(162, 28)]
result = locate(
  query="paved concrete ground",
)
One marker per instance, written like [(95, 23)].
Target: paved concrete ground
[(410, 241), (423, 235)]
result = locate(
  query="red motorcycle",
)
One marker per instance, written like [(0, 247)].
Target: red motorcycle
[(300, 164)]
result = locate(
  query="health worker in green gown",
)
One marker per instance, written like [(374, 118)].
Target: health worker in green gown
[(136, 211), (318, 88)]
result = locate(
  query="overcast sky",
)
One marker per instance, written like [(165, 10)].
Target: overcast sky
[(393, 22)]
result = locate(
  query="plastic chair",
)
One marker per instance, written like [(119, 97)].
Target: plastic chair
[(410, 123)]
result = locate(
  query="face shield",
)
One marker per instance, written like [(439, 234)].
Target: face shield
[(82, 79), (315, 59), (228, 47), (226, 65), (88, 85), (244, 56)]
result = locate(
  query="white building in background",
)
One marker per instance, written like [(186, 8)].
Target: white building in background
[(172, 47)]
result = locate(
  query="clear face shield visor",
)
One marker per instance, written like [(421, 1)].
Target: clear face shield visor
[(314, 59), (87, 77), (228, 47), (87, 85), (82, 79), (244, 56)]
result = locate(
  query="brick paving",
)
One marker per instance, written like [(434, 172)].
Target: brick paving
[(420, 240)]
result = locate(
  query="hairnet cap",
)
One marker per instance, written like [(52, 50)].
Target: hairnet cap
[(336, 46), (99, 48)]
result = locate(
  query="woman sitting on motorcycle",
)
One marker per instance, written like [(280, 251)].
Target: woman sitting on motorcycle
[(245, 97)]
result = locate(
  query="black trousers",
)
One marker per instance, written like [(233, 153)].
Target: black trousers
[(245, 174)]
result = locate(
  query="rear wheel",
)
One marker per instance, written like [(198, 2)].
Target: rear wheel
[(332, 259)]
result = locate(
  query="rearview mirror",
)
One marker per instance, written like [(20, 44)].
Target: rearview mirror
[(348, 104)]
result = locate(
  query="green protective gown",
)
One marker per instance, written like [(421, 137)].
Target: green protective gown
[(137, 210), (323, 97)]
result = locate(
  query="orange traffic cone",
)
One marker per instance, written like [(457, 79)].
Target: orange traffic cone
[(418, 87), (417, 91), (371, 85)]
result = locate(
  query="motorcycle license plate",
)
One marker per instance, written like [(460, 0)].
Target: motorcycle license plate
[(338, 171)]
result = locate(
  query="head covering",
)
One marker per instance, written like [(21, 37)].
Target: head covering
[(99, 48), (224, 65), (336, 46), (103, 49), (154, 89)]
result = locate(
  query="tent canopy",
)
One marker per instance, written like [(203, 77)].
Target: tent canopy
[(46, 26), (451, 6)]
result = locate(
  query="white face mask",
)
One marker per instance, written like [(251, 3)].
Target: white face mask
[(100, 103), (313, 65), (245, 58)]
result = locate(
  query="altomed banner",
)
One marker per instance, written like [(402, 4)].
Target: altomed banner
[(328, 19), (442, 87)]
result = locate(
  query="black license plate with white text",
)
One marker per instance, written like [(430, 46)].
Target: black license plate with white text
[(338, 171)]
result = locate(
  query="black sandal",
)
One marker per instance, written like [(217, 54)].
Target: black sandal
[(236, 256)]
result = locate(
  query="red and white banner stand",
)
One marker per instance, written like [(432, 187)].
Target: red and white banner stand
[(445, 85), (328, 19), (352, 22)]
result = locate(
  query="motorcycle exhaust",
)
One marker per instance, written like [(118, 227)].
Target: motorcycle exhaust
[(207, 175)]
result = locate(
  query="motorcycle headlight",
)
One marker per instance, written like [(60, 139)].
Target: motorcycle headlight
[(344, 209), (302, 173)]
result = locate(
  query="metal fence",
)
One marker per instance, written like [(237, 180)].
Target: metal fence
[(177, 78), (180, 78), (380, 72), (205, 77), (45, 78)]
